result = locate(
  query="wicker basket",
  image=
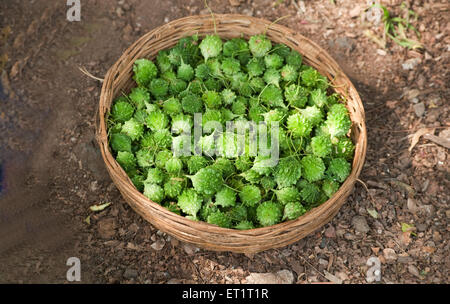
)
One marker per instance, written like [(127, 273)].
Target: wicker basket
[(119, 79)]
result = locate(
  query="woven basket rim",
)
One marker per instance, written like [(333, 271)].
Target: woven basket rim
[(121, 176)]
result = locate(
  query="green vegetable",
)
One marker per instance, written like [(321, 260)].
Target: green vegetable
[(174, 166), (139, 96), (212, 99), (120, 142), (250, 195), (273, 61), (159, 88), (299, 125), (329, 187), (173, 188), (192, 104), (190, 202), (338, 120), (225, 197), (321, 145), (154, 192), (207, 181), (162, 157), (313, 168), (154, 176), (195, 163), (122, 111), (157, 120), (293, 210), (255, 67), (344, 148), (126, 160), (185, 72), (272, 96), (242, 89), (309, 192), (133, 129), (172, 106), (244, 225), (268, 213), (228, 96), (259, 45), (211, 46), (220, 219), (144, 71), (287, 195), (288, 171), (339, 169), (145, 158), (289, 73)]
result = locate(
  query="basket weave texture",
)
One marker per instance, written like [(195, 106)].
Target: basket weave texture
[(119, 79)]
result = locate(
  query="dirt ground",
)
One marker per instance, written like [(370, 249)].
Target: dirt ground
[(52, 172)]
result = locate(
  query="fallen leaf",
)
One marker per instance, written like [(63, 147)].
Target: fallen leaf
[(405, 238), (444, 142), (372, 212), (416, 136), (408, 228), (332, 277), (391, 104), (99, 207), (428, 249), (88, 220)]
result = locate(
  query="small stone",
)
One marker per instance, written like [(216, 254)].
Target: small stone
[(190, 249), (389, 255), (280, 277), (413, 270), (342, 275), (419, 109), (174, 242), (174, 281), (412, 95), (235, 2), (340, 232), (345, 43), (410, 64), (350, 237), (130, 273), (360, 224), (404, 259), (295, 265), (355, 11), (323, 262), (412, 205), (93, 186), (437, 237), (119, 12), (107, 228), (421, 227), (133, 228), (428, 209), (330, 232), (381, 52), (158, 245)]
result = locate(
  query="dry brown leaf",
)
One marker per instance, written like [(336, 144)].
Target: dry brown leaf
[(428, 249), (444, 142), (416, 136), (391, 104), (405, 238)]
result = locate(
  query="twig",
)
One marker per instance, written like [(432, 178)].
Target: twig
[(85, 72), (367, 189), (313, 267)]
